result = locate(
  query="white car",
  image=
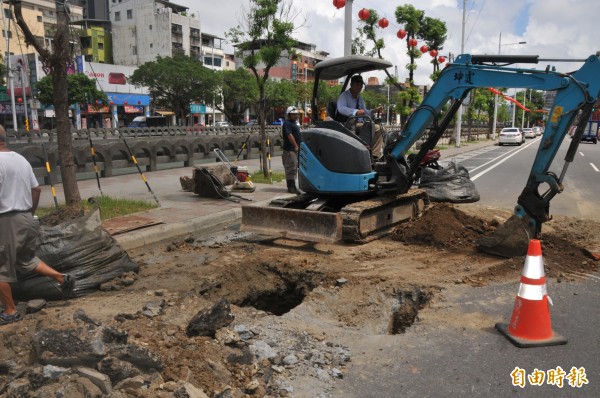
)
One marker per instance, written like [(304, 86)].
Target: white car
[(511, 135), (538, 131), (222, 124), (529, 133)]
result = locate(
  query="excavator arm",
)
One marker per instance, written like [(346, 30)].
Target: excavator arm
[(575, 94)]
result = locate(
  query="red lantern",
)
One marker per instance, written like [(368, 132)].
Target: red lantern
[(412, 42), (441, 59), (424, 49), (401, 34), (364, 14), (433, 53), (339, 3), (19, 100), (111, 103), (383, 23), (124, 102)]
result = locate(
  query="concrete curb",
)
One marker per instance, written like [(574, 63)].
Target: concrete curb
[(206, 224), (216, 221)]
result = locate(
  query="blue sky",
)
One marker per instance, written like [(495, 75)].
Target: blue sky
[(551, 28)]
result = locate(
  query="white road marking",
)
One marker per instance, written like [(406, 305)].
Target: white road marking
[(594, 167), (512, 153), (581, 153)]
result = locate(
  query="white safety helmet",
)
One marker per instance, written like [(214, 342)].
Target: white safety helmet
[(291, 109)]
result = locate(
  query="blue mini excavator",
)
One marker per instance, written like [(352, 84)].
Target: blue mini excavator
[(351, 196)]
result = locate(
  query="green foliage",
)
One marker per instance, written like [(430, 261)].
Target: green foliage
[(280, 93), (406, 99), (81, 89), (175, 82), (109, 207), (264, 38), (432, 30), (328, 93), (239, 91), (373, 99), (2, 71), (259, 178)]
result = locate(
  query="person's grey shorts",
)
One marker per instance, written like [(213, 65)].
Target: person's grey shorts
[(19, 239), (290, 164)]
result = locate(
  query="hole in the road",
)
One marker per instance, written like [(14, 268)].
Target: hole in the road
[(405, 311), (280, 296)]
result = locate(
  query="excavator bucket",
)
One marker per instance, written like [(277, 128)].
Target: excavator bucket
[(510, 239)]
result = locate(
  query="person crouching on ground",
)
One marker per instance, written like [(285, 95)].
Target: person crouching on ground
[(19, 231), (291, 146)]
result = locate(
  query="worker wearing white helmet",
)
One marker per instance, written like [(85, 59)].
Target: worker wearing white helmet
[(291, 147)]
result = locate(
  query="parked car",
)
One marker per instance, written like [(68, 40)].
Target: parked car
[(222, 124), (529, 133), (278, 122), (252, 122), (511, 135)]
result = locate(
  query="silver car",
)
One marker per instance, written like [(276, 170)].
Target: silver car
[(529, 133), (511, 135)]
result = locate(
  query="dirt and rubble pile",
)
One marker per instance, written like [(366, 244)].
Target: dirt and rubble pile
[(445, 226), (294, 310)]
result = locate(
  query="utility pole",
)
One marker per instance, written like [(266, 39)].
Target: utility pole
[(523, 110), (462, 51), (348, 28)]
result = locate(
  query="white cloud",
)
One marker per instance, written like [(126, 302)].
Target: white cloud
[(551, 28)]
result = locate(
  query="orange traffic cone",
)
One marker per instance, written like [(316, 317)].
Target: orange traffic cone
[(530, 324)]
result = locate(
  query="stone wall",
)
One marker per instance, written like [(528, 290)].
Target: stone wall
[(154, 146)]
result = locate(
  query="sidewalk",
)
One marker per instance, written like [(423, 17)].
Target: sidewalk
[(181, 212)]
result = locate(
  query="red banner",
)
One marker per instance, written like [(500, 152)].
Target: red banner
[(98, 109), (511, 99)]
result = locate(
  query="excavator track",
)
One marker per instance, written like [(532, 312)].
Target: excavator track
[(358, 222), (370, 219)]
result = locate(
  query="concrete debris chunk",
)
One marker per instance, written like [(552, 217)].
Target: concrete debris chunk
[(206, 323)]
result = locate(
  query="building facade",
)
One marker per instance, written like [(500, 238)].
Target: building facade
[(146, 29)]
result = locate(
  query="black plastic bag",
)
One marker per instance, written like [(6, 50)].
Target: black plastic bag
[(450, 184), (81, 248)]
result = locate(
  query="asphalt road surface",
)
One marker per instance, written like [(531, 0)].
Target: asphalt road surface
[(500, 174), (460, 358)]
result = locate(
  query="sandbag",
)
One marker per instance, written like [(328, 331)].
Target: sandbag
[(81, 248), (450, 184)]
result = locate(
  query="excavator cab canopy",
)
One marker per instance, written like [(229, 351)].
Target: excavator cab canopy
[(343, 67)]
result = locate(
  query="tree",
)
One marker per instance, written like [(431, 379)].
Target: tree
[(412, 19), (81, 89), (176, 82), (404, 102), (368, 31), (238, 92), (281, 93), (261, 39), (56, 63), (373, 99), (434, 31)]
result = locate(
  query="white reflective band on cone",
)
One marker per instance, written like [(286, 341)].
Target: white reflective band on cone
[(532, 292), (534, 267)]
